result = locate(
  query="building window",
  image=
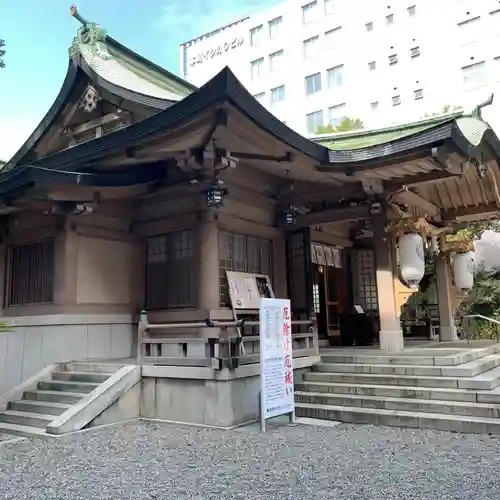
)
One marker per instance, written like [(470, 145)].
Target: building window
[(255, 34), (418, 94), (311, 47), (396, 100), (278, 94), (389, 19), (369, 26), (372, 65), (474, 73), (331, 37), (260, 96), (336, 114), (374, 105), (366, 282), (275, 27), (276, 61), (314, 121), (313, 83), (412, 10), (31, 273), (415, 52), (241, 253), (335, 76), (309, 12), (393, 59), (170, 271), (329, 7), (257, 68)]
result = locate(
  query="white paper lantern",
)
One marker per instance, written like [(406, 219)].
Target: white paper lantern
[(463, 270), (411, 259)]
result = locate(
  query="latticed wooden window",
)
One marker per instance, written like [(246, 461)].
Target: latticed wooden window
[(238, 252), (366, 293), (31, 273), (170, 271)]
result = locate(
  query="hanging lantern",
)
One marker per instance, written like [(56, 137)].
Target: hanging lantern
[(288, 217), (411, 259), (215, 195), (464, 265)]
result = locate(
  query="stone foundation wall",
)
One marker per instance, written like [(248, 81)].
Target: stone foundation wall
[(34, 342)]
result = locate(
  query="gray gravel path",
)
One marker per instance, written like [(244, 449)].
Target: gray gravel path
[(143, 461)]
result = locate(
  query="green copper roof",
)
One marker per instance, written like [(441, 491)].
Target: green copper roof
[(376, 137)]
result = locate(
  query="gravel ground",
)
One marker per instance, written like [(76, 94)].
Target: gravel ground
[(144, 461), (5, 437)]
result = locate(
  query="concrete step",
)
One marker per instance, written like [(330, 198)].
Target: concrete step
[(94, 377), (26, 418), (483, 382), (433, 356), (469, 369), (64, 385), (65, 397), (393, 418), (101, 367), (21, 430), (391, 391), (43, 407), (400, 404)]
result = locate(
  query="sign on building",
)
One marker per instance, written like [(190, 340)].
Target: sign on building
[(276, 364)]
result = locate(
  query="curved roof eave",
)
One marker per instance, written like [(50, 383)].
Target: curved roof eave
[(224, 87), (67, 87), (123, 93)]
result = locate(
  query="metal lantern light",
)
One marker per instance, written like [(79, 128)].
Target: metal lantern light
[(463, 270), (411, 258), (288, 217), (215, 195)]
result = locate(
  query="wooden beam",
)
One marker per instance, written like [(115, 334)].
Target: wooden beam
[(452, 215), (318, 193), (345, 214), (96, 122), (419, 179), (410, 198)]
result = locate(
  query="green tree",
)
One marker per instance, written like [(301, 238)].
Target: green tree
[(2, 53), (447, 108), (346, 125)]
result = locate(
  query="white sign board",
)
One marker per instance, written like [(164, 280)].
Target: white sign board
[(246, 289), (276, 363)]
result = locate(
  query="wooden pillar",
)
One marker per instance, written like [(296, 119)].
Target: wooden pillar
[(391, 335), (445, 292), (208, 266)]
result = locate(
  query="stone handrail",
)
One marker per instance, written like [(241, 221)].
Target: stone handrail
[(217, 353)]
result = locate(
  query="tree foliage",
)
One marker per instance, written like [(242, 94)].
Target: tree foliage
[(346, 125), (2, 53), (447, 108)]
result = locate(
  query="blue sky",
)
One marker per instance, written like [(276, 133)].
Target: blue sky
[(38, 34)]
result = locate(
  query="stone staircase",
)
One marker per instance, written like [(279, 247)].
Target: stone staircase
[(455, 390), (38, 407)]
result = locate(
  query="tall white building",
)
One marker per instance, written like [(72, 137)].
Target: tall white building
[(314, 62)]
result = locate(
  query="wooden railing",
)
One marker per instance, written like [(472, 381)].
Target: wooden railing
[(217, 352)]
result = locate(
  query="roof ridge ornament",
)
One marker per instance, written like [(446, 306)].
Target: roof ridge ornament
[(478, 110), (90, 38)]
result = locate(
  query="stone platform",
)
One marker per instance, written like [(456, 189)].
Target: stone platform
[(451, 386)]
